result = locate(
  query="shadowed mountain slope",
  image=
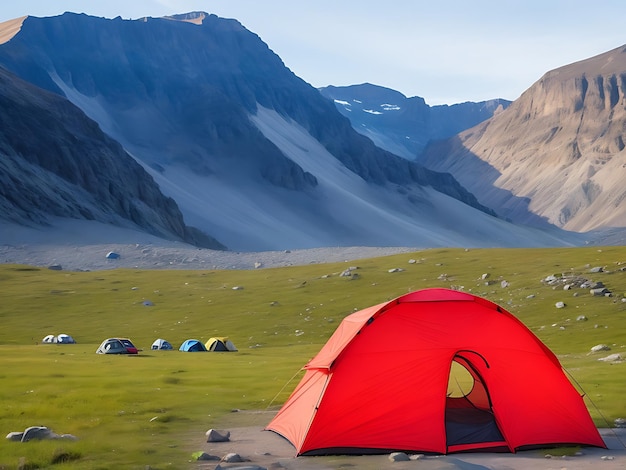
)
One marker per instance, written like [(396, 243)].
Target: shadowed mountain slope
[(56, 162)]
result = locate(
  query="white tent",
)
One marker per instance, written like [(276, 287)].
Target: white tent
[(65, 339), (49, 339), (161, 344)]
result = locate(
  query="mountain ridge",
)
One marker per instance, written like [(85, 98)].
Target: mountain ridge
[(193, 103), (402, 125)]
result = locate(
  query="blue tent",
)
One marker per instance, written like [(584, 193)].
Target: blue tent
[(192, 345)]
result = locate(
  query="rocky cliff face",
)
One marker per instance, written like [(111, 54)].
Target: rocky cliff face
[(402, 125), (556, 155), (55, 162)]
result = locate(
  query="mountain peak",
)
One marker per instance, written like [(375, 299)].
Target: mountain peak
[(195, 17), (10, 28)]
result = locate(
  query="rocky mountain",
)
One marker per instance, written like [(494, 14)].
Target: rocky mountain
[(402, 125), (56, 162), (251, 153), (556, 155)]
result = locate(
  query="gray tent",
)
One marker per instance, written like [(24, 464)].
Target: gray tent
[(161, 344)]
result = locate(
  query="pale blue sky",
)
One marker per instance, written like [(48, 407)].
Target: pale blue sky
[(446, 51)]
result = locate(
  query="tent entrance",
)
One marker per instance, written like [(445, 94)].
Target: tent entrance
[(470, 422)]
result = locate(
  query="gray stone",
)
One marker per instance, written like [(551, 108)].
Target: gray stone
[(600, 291), (244, 467), (399, 457), (213, 435), (611, 358), (204, 456), (37, 432), (233, 457), (600, 347)]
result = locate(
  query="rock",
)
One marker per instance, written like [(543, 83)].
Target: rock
[(600, 291), (238, 288), (600, 347), (504, 284), (213, 435), (620, 423), (581, 318), (148, 303), (597, 269), (395, 270), (611, 358), (484, 276), (37, 432), (399, 457), (244, 467), (232, 457), (200, 455), (560, 305)]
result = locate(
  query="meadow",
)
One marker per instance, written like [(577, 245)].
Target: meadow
[(153, 409)]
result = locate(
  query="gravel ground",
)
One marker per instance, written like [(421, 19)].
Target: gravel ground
[(84, 246), (94, 257)]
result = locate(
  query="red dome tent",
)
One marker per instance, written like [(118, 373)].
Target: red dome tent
[(381, 384)]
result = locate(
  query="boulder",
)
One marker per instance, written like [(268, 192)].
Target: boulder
[(213, 435), (399, 457), (232, 457), (611, 358)]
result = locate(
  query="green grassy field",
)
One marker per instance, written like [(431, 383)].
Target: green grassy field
[(153, 409)]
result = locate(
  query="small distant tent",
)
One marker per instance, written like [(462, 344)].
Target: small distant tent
[(112, 255), (49, 339), (60, 339), (220, 344), (383, 382), (114, 346), (161, 344), (65, 339), (192, 345)]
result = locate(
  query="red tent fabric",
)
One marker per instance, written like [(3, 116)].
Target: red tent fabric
[(381, 381)]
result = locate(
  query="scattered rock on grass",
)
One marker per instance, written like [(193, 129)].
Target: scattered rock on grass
[(38, 433), (611, 358)]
